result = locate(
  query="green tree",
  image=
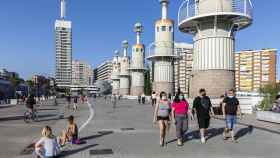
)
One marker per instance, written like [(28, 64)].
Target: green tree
[(269, 92)]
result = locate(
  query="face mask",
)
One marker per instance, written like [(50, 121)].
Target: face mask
[(181, 97), (230, 96), (164, 97)]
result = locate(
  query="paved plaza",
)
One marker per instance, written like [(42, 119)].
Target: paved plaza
[(128, 132)]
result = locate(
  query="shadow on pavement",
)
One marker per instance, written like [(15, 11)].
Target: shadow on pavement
[(14, 118), (244, 131), (213, 132), (100, 134), (71, 152)]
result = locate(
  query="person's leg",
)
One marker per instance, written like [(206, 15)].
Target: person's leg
[(227, 128), (179, 129), (232, 123), (162, 132)]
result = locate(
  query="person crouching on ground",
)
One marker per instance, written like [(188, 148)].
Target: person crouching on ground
[(203, 108), (162, 115), (231, 108), (180, 110), (47, 146), (71, 134)]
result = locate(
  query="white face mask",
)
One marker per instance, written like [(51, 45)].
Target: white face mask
[(164, 97), (231, 96)]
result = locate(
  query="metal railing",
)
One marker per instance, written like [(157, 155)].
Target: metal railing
[(164, 48), (191, 8)]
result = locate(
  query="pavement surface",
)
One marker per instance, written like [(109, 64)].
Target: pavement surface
[(127, 132)]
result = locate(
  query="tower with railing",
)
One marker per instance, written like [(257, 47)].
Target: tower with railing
[(161, 53), (213, 23), (115, 74), (124, 73), (137, 64)]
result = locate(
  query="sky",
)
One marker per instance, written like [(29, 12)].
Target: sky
[(27, 39)]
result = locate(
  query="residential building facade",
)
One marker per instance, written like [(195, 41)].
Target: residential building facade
[(82, 73), (255, 68)]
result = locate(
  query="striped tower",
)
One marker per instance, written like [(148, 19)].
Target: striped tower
[(137, 64), (214, 24), (115, 74), (162, 56), (124, 73)]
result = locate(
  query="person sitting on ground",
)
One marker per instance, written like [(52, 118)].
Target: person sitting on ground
[(276, 106), (71, 134), (47, 146)]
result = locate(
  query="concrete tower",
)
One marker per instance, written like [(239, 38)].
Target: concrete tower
[(63, 35), (124, 73), (115, 74), (162, 53), (213, 24), (137, 64)]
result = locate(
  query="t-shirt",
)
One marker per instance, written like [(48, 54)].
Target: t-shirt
[(231, 106), (50, 146), (180, 108), (202, 106), (164, 109), (154, 96)]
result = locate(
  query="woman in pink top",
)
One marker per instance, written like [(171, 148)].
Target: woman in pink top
[(180, 108)]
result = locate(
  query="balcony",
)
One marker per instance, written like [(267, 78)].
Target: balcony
[(240, 12)]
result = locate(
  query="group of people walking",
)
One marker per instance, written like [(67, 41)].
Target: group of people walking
[(179, 111)]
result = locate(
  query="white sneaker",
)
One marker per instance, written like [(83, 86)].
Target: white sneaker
[(203, 141)]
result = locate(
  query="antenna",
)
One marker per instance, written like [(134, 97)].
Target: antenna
[(62, 9)]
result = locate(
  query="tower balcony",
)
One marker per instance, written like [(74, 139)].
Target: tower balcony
[(192, 12), (163, 50)]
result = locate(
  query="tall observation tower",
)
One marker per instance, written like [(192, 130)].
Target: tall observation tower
[(63, 36), (124, 73), (161, 53), (137, 64), (115, 74), (213, 23)]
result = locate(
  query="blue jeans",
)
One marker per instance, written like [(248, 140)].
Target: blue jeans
[(230, 121)]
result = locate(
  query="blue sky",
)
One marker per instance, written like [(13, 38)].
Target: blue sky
[(99, 26)]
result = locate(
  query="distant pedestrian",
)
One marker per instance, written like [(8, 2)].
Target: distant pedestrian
[(114, 101), (203, 108), (231, 109), (68, 99), (76, 103), (162, 115), (139, 99), (143, 98), (154, 99), (180, 110)]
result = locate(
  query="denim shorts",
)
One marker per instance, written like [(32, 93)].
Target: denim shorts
[(230, 121)]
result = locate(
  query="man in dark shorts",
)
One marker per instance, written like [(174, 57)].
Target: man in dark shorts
[(231, 108), (203, 107), (30, 102)]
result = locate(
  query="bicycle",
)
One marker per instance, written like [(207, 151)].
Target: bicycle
[(28, 116)]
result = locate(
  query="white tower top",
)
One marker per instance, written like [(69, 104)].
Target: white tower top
[(138, 28), (63, 9), (164, 4), (125, 46)]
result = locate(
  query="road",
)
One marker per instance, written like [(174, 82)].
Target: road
[(128, 132)]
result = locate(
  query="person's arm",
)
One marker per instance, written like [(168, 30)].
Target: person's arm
[(173, 115), (211, 108), (224, 109), (39, 144), (155, 112), (239, 109)]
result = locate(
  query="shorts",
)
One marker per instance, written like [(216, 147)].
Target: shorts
[(230, 121), (203, 123), (161, 118)]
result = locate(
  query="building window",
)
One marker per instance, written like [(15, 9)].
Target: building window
[(163, 28), (157, 29), (170, 29), (137, 49)]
